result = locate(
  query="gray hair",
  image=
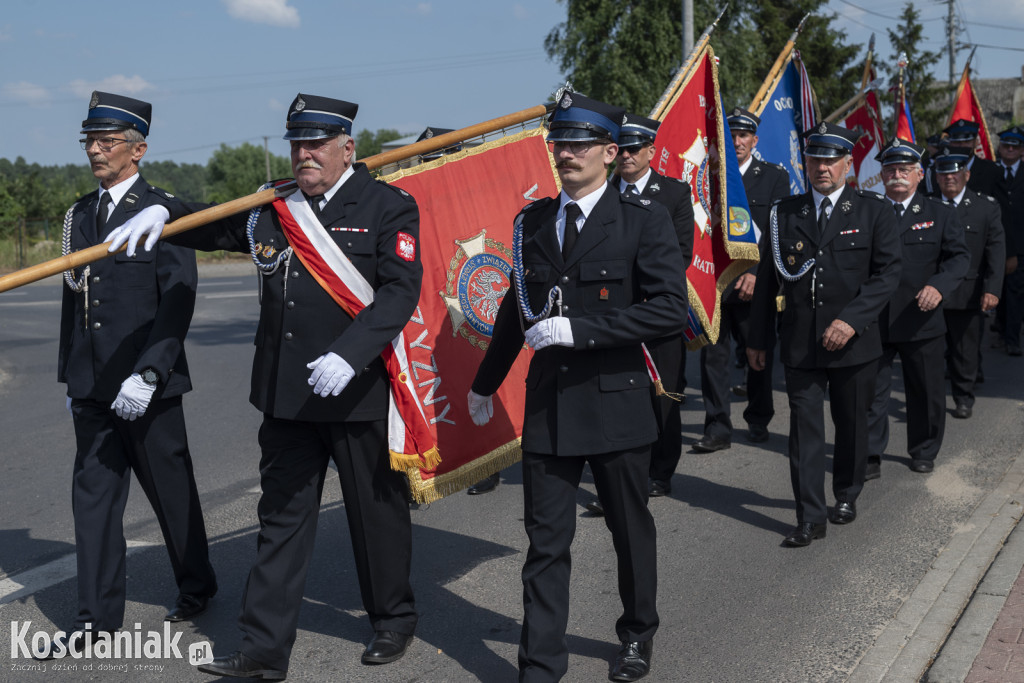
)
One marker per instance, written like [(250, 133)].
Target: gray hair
[(133, 136)]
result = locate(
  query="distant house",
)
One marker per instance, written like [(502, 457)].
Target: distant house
[(1002, 100)]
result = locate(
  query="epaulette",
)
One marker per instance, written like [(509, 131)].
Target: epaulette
[(401, 193), (787, 198), (868, 194), (676, 180), (161, 193), (636, 200)]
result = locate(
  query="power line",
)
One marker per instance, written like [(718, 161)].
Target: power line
[(992, 47), (884, 16)]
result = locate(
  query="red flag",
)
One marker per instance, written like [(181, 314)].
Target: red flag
[(967, 107), (867, 121), (691, 145), (467, 202), (904, 123)]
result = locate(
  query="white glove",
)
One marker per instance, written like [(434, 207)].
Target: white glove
[(331, 374), (481, 408), (550, 332), (149, 222), (68, 404), (133, 399)]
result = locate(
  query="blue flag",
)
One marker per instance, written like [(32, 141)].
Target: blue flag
[(782, 125)]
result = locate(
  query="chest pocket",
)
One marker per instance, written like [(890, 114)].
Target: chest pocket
[(602, 285), (850, 249), (536, 276), (135, 272), (921, 246), (359, 244), (794, 252)]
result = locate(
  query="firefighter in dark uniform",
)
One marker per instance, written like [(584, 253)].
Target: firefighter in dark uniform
[(934, 261), (764, 183), (980, 289), (634, 176), (588, 395), (320, 382), (122, 333), (836, 254), (1009, 192), (984, 173)]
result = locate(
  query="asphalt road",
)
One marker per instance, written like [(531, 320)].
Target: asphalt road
[(734, 605)]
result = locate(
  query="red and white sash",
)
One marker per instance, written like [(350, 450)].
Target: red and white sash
[(409, 438)]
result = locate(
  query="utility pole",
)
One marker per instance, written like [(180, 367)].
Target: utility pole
[(951, 42), (687, 29), (266, 154)]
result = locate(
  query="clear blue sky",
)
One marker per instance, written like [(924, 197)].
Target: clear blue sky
[(225, 70)]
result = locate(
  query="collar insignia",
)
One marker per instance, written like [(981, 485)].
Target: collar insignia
[(655, 187), (645, 202), (805, 210), (966, 201), (916, 208), (846, 206)]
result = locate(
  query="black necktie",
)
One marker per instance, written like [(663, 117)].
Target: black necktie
[(898, 208), (102, 214), (572, 213), (823, 214), (1009, 175), (314, 203), (631, 190)]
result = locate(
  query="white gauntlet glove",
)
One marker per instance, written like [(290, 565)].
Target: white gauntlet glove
[(134, 397), (550, 332), (331, 374), (149, 223), (481, 408)]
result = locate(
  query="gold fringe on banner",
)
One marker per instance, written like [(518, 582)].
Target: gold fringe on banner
[(403, 461), (436, 488)]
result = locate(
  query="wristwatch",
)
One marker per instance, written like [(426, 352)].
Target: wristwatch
[(150, 377)]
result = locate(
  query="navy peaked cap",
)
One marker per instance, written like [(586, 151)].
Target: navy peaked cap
[(637, 131), (117, 112), (962, 130), (311, 117), (828, 141), (580, 118), (899, 151), (741, 119), (952, 159)]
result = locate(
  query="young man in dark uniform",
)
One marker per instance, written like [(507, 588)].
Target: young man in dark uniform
[(764, 183), (122, 333), (836, 253), (588, 395), (935, 260), (980, 289)]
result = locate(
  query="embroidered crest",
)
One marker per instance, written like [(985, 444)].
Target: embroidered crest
[(846, 206), (916, 208), (300, 104), (479, 276), (603, 294), (405, 247)]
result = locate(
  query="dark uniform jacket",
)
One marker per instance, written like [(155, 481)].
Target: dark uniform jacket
[(1011, 205), (675, 196), (764, 183), (139, 308), (857, 264), (620, 287), (933, 253), (299, 321), (985, 175), (983, 233)]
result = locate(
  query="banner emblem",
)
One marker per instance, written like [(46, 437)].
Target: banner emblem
[(479, 275)]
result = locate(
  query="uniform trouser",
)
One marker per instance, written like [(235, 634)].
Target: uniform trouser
[(292, 470), (715, 372), (109, 449), (669, 355), (926, 397), (963, 341), (1013, 295), (849, 391), (549, 499)]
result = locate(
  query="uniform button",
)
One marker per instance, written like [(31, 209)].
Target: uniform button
[(348, 244), (565, 308), (632, 381), (820, 285), (95, 302), (295, 273), (95, 278), (96, 326), (590, 343), (291, 304), (288, 336), (565, 278), (563, 368), (819, 252), (604, 272)]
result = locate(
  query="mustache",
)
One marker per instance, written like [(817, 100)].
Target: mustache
[(897, 182), (308, 163), (570, 165)]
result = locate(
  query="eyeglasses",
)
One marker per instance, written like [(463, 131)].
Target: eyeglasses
[(577, 149), (106, 144)]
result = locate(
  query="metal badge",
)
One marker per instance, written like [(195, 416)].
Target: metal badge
[(757, 170), (95, 101), (823, 128), (429, 134), (915, 208), (566, 101), (603, 294), (645, 202), (791, 260), (655, 187), (300, 104), (799, 246), (846, 206), (805, 210), (130, 198), (269, 251), (258, 247), (967, 201), (624, 119)]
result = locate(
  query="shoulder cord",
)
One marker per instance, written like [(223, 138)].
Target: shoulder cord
[(81, 285), (266, 269), (776, 253), (518, 275)]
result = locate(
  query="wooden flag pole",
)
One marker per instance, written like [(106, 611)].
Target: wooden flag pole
[(758, 104), (99, 251), (684, 71)]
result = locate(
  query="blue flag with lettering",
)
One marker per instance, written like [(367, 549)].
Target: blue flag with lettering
[(781, 128)]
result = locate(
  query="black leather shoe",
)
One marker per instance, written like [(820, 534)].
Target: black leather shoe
[(386, 646), (844, 513), (874, 468), (633, 661), (710, 444), (237, 665), (803, 533), (739, 390), (962, 411), (595, 508), (485, 485), (656, 489), (757, 434), (922, 466), (187, 607)]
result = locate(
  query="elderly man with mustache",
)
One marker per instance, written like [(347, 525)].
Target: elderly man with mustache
[(935, 260), (321, 384)]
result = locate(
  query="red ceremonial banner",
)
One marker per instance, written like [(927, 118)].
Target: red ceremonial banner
[(967, 107), (467, 203), (865, 119), (691, 146)]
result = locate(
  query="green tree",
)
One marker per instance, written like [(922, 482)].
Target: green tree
[(927, 97), (625, 53), (369, 142), (234, 172)]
